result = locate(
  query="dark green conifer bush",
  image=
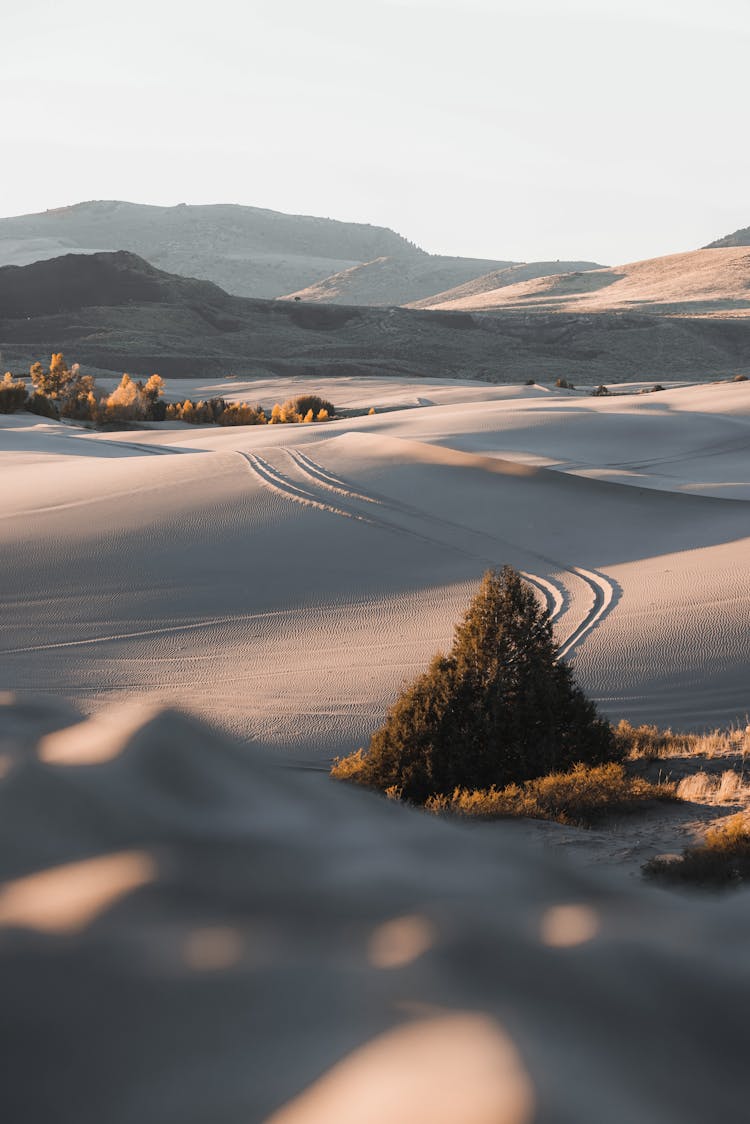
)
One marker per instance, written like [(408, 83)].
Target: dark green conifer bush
[(499, 709)]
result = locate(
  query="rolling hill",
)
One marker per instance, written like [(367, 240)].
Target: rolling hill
[(392, 281), (389, 281), (502, 278), (253, 252), (116, 312), (247, 250), (699, 283)]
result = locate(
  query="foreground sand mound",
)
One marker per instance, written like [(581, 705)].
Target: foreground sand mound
[(191, 933)]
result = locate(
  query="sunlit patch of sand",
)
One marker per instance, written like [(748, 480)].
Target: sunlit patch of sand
[(213, 948), (565, 926), (399, 942), (102, 738), (459, 1067), (65, 899)]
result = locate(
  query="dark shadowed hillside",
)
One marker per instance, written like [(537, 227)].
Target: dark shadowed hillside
[(116, 311)]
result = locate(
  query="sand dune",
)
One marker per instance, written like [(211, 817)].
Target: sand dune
[(200, 929), (702, 282), (190, 932), (286, 580)]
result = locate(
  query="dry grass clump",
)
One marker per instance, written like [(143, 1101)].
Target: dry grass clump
[(350, 767), (721, 860), (580, 797), (649, 742), (706, 788)]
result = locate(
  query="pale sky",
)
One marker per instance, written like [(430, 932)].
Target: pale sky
[(611, 130)]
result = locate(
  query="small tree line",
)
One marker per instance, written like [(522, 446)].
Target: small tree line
[(304, 409), (60, 391)]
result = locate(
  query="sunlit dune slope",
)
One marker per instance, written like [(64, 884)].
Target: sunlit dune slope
[(287, 580)]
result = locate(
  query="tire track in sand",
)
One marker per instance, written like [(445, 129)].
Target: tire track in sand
[(276, 480), (552, 594), (604, 601), (602, 589), (283, 486)]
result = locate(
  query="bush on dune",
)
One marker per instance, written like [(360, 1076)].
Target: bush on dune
[(649, 742), (133, 401), (499, 709), (722, 860), (39, 404), (219, 412), (53, 382), (580, 797), (303, 403), (12, 394), (61, 391), (240, 413), (79, 400)]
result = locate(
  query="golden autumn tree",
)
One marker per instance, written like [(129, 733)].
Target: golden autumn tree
[(53, 382)]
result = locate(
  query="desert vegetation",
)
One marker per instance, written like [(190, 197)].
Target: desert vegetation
[(303, 409), (12, 394), (500, 709), (650, 743), (62, 391), (721, 860), (498, 728), (579, 797)]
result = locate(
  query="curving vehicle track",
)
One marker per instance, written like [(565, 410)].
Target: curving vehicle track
[(315, 477)]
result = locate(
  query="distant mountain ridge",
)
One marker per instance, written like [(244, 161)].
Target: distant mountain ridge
[(254, 252), (249, 251)]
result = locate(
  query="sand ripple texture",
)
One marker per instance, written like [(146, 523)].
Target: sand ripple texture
[(287, 580)]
